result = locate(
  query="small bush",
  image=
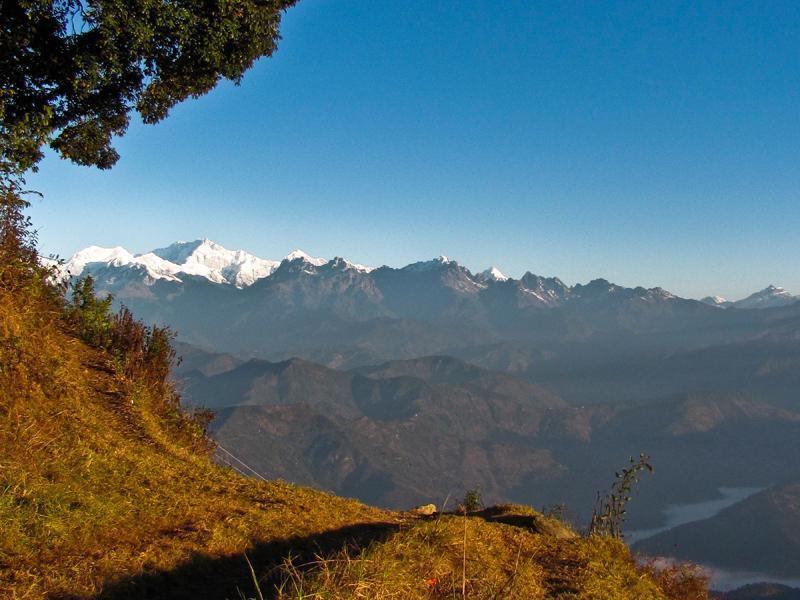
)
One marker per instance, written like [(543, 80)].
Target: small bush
[(89, 315), (472, 501), (680, 581), (556, 511), (140, 351), (610, 510)]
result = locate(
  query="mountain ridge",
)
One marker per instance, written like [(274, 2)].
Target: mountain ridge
[(239, 268), (771, 296)]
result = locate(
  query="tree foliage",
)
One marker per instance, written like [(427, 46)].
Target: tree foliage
[(20, 268), (90, 314), (17, 238), (140, 351), (72, 71)]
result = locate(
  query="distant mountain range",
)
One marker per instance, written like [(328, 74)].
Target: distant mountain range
[(410, 431), (343, 314), (205, 258), (760, 591), (769, 297)]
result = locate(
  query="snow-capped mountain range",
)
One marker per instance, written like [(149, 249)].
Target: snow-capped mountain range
[(210, 260), (202, 258), (342, 313), (770, 297)]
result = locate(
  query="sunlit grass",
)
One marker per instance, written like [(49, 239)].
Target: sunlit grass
[(456, 556), (94, 486)]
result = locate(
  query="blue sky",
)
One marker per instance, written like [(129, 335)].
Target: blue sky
[(648, 143)]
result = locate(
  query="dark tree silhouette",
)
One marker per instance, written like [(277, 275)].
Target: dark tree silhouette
[(72, 71)]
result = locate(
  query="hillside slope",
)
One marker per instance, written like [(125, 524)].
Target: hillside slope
[(108, 491), (409, 432), (97, 489)]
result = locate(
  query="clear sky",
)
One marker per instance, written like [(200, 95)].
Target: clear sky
[(651, 143)]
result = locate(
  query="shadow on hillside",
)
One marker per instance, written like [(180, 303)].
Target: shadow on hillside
[(229, 577), (510, 515)]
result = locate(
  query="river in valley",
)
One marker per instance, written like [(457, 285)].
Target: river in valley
[(681, 514)]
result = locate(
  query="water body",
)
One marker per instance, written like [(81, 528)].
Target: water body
[(680, 514), (723, 581)]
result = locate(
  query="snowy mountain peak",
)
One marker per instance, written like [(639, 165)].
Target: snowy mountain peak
[(342, 263), (179, 252), (93, 259), (774, 290), (116, 256), (299, 254), (771, 296), (202, 258), (429, 265), (716, 301), (208, 259), (493, 274)]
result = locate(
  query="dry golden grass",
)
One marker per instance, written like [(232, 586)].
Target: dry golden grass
[(101, 496), (520, 555), (94, 489)]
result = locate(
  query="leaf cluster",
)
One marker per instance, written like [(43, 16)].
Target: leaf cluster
[(472, 501), (71, 71)]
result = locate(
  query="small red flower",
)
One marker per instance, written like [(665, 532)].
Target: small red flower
[(431, 581)]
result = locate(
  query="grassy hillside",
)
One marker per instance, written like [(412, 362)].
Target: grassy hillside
[(100, 484), (107, 490), (504, 552)]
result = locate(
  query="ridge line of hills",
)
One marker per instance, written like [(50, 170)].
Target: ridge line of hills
[(210, 260)]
